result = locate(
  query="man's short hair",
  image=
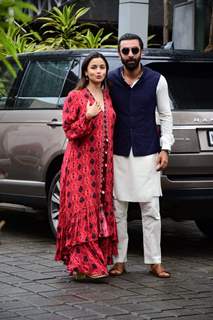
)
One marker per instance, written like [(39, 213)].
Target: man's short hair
[(130, 36)]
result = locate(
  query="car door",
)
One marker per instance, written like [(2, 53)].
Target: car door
[(31, 131), (8, 85)]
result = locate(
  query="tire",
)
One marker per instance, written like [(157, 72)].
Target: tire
[(206, 227), (54, 202)]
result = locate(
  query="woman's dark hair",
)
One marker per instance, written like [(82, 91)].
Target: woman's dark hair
[(83, 82), (130, 36)]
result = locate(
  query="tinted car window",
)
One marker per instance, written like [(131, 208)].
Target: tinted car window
[(114, 62), (42, 85), (71, 80), (190, 84)]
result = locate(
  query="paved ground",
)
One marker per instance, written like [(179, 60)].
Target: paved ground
[(33, 286)]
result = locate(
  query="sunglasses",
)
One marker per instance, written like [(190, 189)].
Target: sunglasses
[(135, 50)]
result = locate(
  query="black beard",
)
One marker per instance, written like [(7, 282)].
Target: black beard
[(132, 64)]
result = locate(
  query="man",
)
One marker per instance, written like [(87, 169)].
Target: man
[(140, 153)]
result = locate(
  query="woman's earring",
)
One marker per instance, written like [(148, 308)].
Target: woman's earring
[(86, 77)]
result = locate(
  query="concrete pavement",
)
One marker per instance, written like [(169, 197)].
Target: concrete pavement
[(34, 286)]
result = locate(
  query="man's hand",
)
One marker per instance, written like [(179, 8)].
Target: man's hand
[(162, 160), (92, 110)]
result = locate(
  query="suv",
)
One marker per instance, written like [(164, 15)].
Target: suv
[(32, 141)]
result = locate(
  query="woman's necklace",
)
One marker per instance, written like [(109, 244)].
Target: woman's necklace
[(97, 95)]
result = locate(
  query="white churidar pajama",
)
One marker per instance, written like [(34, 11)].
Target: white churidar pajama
[(137, 180)]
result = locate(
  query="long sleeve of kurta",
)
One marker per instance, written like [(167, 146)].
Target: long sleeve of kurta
[(165, 114), (75, 124)]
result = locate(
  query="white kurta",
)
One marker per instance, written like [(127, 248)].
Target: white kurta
[(136, 179)]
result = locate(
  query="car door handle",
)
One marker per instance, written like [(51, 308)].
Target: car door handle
[(54, 123)]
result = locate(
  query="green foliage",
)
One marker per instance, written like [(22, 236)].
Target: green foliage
[(7, 47), (61, 28), (25, 41), (150, 43), (10, 11), (89, 40), (2, 89)]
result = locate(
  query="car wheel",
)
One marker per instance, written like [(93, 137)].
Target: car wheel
[(54, 202), (206, 226)]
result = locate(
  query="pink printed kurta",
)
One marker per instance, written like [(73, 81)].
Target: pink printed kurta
[(86, 235)]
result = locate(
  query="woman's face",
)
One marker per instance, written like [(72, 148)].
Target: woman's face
[(96, 71)]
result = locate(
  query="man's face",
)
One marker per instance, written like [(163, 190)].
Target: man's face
[(130, 54)]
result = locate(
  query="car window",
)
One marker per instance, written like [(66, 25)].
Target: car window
[(190, 84), (6, 83), (73, 75), (114, 62), (42, 85), (71, 80)]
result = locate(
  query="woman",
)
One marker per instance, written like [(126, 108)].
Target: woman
[(86, 234)]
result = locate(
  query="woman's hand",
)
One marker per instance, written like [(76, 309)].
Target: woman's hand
[(93, 110)]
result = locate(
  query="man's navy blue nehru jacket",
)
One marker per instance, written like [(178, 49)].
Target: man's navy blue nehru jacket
[(135, 113)]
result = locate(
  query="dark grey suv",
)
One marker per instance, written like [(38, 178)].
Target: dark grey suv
[(32, 140)]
